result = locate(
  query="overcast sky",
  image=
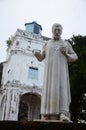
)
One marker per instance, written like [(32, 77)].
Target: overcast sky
[(15, 13)]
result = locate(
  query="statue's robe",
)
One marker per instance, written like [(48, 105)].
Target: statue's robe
[(56, 88)]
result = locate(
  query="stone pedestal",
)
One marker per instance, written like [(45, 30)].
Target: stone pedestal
[(40, 125)]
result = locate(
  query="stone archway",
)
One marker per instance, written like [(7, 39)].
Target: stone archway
[(29, 107)]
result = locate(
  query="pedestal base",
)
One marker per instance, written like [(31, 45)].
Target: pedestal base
[(58, 121), (40, 125)]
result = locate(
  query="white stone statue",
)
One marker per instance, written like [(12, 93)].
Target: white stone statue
[(56, 88)]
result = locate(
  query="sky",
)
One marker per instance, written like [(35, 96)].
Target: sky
[(71, 14)]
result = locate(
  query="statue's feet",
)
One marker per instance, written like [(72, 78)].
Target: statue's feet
[(50, 117), (43, 117), (64, 118)]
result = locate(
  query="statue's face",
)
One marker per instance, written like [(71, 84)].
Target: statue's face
[(57, 31)]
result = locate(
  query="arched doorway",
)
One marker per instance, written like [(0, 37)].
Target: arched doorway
[(29, 107)]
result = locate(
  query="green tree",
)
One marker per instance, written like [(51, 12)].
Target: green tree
[(77, 73), (9, 41)]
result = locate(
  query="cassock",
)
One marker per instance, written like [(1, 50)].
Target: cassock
[(56, 87)]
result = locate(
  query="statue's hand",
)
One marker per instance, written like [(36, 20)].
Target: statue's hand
[(64, 50), (36, 52), (38, 55)]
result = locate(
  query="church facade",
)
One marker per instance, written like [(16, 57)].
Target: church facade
[(22, 75)]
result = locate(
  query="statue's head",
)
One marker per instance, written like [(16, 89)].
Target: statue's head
[(56, 31)]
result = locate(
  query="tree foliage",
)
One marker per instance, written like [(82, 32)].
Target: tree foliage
[(77, 73), (9, 41)]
